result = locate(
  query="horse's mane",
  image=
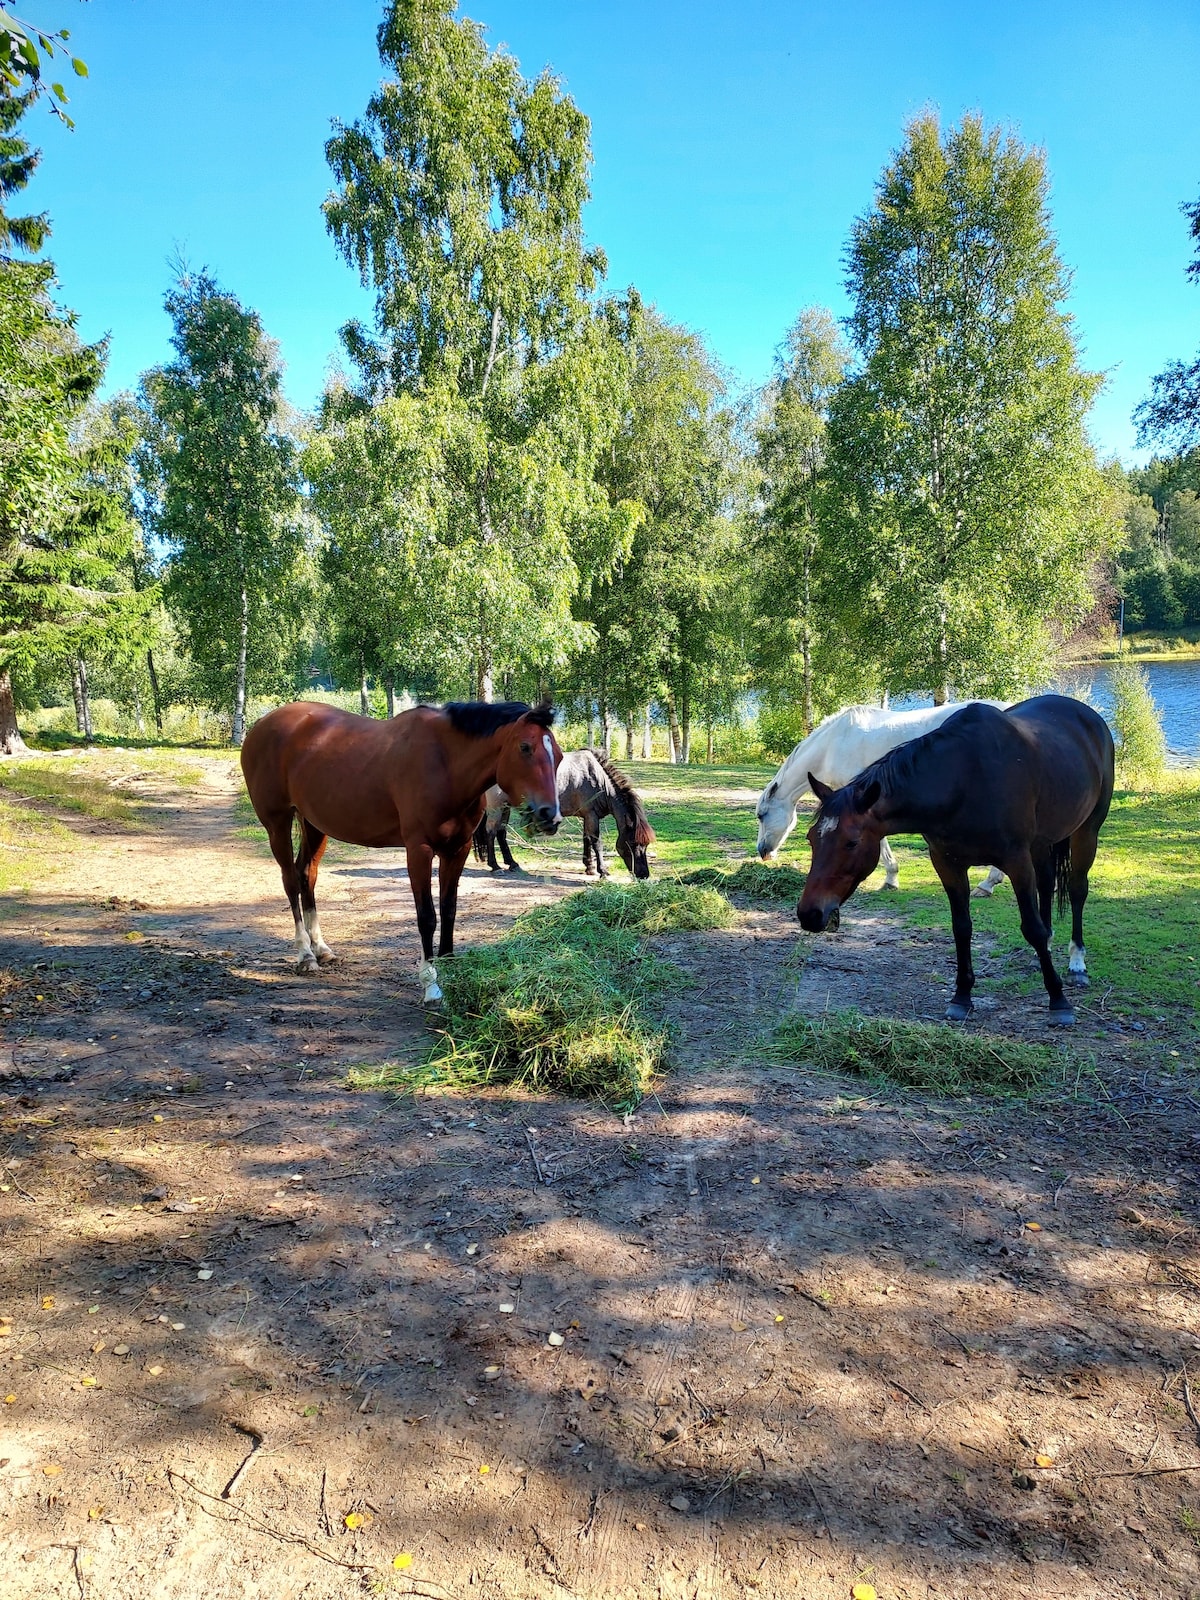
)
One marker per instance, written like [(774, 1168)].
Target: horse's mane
[(643, 832), (899, 767), (480, 719)]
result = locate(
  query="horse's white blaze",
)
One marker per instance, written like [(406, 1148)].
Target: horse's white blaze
[(827, 825), (1076, 957), (427, 976), (558, 816)]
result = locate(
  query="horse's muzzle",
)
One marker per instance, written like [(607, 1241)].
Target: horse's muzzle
[(545, 819), (819, 919)]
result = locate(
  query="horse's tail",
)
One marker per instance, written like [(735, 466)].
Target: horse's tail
[(1062, 873), (479, 839)]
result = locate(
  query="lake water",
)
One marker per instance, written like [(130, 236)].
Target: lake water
[(1175, 686)]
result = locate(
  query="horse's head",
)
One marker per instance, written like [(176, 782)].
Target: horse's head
[(776, 819), (529, 757), (632, 841), (845, 840)]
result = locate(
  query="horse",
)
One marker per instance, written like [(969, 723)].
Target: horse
[(590, 787), (837, 750), (1026, 790), (416, 781)]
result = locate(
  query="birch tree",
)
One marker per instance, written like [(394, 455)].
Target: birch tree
[(459, 200), (972, 507), (225, 476)]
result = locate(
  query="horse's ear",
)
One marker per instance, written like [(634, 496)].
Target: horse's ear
[(542, 715), (865, 797), (821, 790)]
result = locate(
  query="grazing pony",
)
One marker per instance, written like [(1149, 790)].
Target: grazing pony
[(836, 751), (1025, 790), (416, 781), (590, 788)]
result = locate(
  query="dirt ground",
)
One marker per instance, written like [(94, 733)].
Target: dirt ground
[(772, 1336)]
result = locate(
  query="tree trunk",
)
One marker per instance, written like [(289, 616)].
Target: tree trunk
[(590, 726), (389, 687), (364, 695), (484, 680), (647, 738), (806, 650), (139, 717), (77, 695), (629, 736), (708, 754), (605, 729), (238, 731), (674, 742), (685, 715), (11, 742), (154, 691), (85, 700), (941, 692)]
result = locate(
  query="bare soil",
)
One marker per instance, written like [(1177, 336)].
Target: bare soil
[(804, 1336)]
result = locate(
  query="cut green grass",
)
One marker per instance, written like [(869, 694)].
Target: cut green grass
[(562, 1003), (928, 1056), (66, 785), (753, 879)]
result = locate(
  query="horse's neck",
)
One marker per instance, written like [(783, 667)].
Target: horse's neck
[(807, 757), (475, 769)]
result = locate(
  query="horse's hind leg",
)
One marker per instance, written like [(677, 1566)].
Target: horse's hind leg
[(1083, 853), (591, 829), (312, 848), (279, 833), (1025, 882), (986, 889), (502, 841)]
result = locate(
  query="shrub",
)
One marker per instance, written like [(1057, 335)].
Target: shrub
[(1141, 746)]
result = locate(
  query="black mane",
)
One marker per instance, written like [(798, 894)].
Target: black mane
[(480, 719), (624, 789)]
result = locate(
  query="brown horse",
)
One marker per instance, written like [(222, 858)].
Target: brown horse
[(416, 781), (1024, 790)]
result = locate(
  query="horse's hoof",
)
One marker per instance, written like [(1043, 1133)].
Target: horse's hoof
[(981, 892), (325, 955), (433, 996), (1061, 1017), (497, 869), (306, 963), (958, 1011), (894, 887), (1079, 979)]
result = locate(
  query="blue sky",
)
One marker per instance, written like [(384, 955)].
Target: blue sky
[(733, 144)]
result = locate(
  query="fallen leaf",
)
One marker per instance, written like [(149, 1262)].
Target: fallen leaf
[(98, 1346), (402, 1561), (52, 1471), (120, 1349), (92, 1310), (157, 1117), (863, 1591), (357, 1519), (755, 1180), (1034, 1227), (5, 1330), (154, 1372), (10, 1399), (738, 1327), (554, 1338), (779, 1319), (484, 1469), (205, 1274), (88, 1381), (1044, 1461), (95, 1513), (47, 1302)]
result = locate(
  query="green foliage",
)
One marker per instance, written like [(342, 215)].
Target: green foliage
[(1172, 413), (930, 1057), (24, 52), (972, 510), (561, 1002), (221, 474), (1141, 746), (460, 199)]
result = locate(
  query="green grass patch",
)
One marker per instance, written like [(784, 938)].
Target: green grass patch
[(67, 785), (752, 878), (562, 1003), (31, 844), (928, 1056)]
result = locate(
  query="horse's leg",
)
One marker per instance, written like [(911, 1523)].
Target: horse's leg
[(1083, 853), (312, 848), (449, 872), (891, 868), (502, 841), (279, 833), (986, 889), (1037, 933), (492, 835), (1044, 870), (420, 878), (594, 823), (958, 891), (588, 863)]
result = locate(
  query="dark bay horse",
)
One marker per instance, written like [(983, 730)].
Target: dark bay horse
[(1025, 790), (415, 781), (590, 787)]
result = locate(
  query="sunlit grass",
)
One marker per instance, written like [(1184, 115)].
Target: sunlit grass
[(31, 844), (67, 784)]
